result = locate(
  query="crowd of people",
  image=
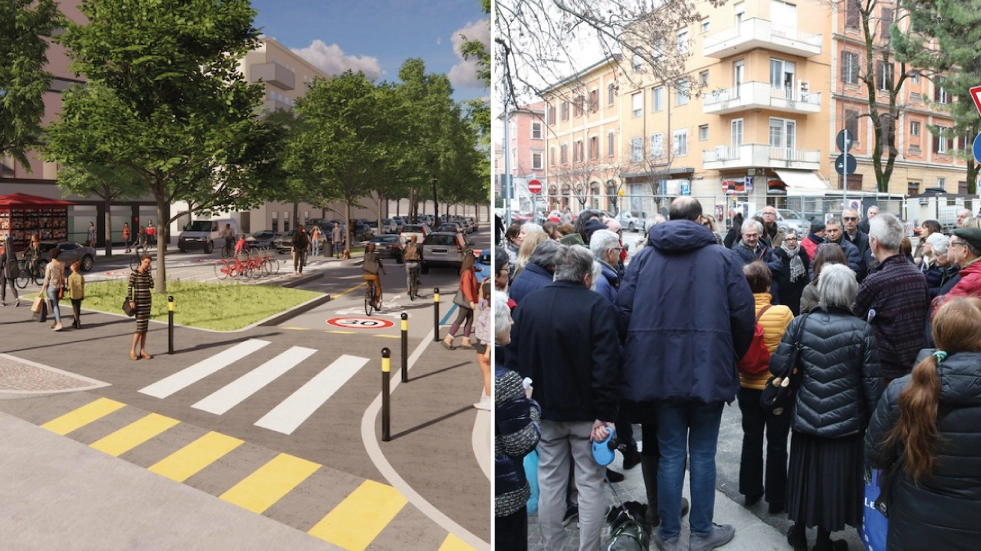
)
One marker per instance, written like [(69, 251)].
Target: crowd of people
[(586, 344)]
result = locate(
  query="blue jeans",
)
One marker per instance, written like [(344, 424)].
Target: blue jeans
[(55, 308), (690, 429)]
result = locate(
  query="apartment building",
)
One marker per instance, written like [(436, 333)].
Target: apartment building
[(526, 147), (776, 81)]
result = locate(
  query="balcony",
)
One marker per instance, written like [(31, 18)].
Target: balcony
[(270, 105), (760, 33), (760, 95), (272, 73), (760, 156)]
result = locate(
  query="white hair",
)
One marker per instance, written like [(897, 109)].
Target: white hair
[(887, 230), (502, 315), (939, 243), (749, 224), (529, 227), (602, 241), (572, 263), (837, 287)]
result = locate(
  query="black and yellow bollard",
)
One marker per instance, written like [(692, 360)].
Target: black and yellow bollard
[(405, 347), (386, 405), (436, 314), (170, 324)]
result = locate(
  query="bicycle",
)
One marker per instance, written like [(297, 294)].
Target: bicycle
[(370, 297), (30, 270), (139, 251)]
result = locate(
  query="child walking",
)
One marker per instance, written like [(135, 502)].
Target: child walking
[(483, 340), (76, 292)]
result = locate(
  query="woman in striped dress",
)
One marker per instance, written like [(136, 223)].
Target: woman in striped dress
[(140, 299)]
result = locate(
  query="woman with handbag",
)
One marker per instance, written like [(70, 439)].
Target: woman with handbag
[(839, 386), (466, 302), (926, 428), (140, 300), (54, 279)]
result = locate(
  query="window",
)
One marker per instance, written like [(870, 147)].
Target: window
[(636, 149), (940, 95), (682, 90), (610, 90), (550, 114), (915, 77), (565, 153), (536, 160), (962, 187), (782, 75), (884, 76), (594, 147), (565, 110), (705, 26), (609, 144), (783, 12), (551, 156), (940, 144), (536, 130), (703, 78), (740, 13), (594, 100), (578, 105), (637, 100), (849, 67), (912, 188), (657, 145), (703, 132), (680, 142), (941, 182), (783, 134), (659, 98), (887, 19), (737, 134), (851, 125), (914, 128), (886, 127), (683, 42), (577, 152), (851, 14)]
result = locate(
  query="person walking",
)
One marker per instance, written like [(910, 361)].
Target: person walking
[(411, 257), (126, 235), (370, 267), (54, 280), (337, 238), (76, 292), (301, 244), (482, 341), (90, 234), (682, 338), (315, 241), (755, 420), (793, 278), (9, 271), (140, 300), (151, 233), (466, 302), (839, 387), (925, 431)]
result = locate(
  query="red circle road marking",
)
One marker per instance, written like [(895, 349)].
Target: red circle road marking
[(360, 323)]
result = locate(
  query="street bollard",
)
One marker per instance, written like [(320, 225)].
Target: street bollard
[(386, 399), (170, 324), (436, 314), (405, 347)]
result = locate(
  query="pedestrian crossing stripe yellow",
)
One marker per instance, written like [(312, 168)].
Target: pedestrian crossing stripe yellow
[(388, 336), (134, 434), (342, 332), (194, 457), (267, 485), (363, 514), (453, 543), (82, 416)]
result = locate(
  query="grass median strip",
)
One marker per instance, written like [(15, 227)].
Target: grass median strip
[(196, 304)]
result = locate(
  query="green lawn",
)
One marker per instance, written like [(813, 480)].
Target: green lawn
[(204, 305)]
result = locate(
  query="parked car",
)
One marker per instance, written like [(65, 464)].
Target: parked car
[(262, 239), (445, 250), (284, 243), (451, 227), (71, 252), (631, 221), (388, 226), (484, 266), (388, 245), (419, 230), (790, 219)]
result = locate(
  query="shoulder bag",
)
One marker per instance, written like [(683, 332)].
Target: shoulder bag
[(781, 388), (127, 309)]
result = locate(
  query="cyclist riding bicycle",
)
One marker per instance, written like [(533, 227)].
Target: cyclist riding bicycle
[(411, 255), (369, 271)]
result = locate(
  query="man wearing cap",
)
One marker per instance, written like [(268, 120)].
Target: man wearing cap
[(860, 239), (964, 250), (814, 238), (894, 300)]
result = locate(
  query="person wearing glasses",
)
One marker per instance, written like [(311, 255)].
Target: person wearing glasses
[(963, 251), (796, 267), (773, 234), (860, 239)]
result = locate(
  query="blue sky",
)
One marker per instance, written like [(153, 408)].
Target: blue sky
[(377, 36)]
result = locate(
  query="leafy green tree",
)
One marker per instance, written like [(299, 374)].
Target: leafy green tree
[(110, 183), (479, 108), (952, 61), (171, 103), (25, 27)]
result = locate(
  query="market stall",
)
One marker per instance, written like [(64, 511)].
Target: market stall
[(22, 214)]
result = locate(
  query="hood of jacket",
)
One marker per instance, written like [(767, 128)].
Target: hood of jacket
[(680, 236), (960, 378)]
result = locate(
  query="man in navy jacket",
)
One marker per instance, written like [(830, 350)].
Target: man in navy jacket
[(686, 316)]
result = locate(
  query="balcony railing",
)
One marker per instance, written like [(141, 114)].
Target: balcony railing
[(761, 95), (760, 155), (760, 33), (273, 73)]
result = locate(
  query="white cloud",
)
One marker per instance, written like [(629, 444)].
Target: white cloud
[(464, 73), (333, 61)]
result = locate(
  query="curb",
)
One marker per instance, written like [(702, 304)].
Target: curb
[(87, 383), (292, 312)]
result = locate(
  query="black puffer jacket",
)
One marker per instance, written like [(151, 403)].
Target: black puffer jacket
[(841, 383), (944, 510)]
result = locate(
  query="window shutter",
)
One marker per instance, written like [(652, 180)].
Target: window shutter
[(845, 62), (936, 91), (961, 142), (936, 143), (851, 19)]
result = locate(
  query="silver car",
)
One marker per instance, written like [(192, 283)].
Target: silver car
[(445, 250), (70, 253)]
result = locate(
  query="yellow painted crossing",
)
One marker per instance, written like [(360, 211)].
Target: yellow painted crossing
[(453, 543), (192, 458), (82, 416), (134, 434), (258, 491), (358, 520)]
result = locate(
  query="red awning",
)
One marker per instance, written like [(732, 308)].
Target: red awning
[(25, 201)]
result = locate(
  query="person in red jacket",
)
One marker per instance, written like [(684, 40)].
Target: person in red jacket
[(814, 238), (964, 250), (468, 290)]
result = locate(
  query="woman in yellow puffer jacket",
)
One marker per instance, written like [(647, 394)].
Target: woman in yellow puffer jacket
[(756, 421)]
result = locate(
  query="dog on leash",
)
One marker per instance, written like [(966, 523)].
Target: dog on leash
[(628, 530)]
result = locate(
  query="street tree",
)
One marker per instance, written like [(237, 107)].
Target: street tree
[(110, 183), (25, 30), (172, 106)]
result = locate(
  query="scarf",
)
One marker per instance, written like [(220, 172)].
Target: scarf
[(796, 264)]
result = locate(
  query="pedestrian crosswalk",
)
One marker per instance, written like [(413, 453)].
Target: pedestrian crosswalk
[(285, 417), (357, 521)]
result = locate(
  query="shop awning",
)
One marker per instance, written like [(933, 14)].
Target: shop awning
[(802, 180), (23, 200)]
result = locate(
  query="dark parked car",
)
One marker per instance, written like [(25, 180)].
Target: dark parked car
[(70, 253), (444, 250), (388, 245)]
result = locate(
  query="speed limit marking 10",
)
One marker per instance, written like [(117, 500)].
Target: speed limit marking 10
[(360, 323)]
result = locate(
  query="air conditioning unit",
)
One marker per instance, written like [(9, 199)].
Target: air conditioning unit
[(924, 201)]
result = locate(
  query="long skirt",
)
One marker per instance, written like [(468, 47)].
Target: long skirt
[(825, 484)]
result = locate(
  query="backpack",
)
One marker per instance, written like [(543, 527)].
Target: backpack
[(411, 253), (757, 358)]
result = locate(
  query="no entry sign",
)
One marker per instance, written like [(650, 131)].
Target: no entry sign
[(360, 323)]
